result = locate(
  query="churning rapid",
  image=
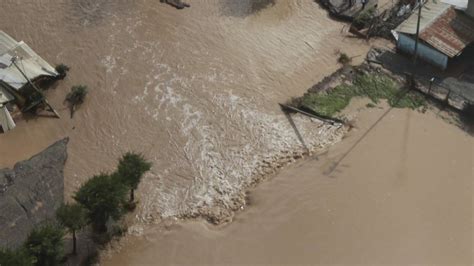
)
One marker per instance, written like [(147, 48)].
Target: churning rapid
[(195, 90)]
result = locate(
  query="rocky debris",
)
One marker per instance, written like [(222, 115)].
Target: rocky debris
[(383, 24), (343, 75), (347, 9), (176, 3), (31, 192)]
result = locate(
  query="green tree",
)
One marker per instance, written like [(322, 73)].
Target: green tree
[(131, 168), (74, 218), (103, 196), (17, 257), (45, 243)]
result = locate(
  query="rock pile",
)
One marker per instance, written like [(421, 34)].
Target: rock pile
[(30, 193)]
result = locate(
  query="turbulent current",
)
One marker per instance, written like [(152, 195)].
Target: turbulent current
[(195, 90)]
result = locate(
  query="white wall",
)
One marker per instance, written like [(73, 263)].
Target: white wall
[(470, 8)]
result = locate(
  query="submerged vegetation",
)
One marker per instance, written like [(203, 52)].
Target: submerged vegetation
[(131, 168), (364, 18), (76, 97), (74, 218), (344, 59), (45, 244), (373, 86), (62, 69)]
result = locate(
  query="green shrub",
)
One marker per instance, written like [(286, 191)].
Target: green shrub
[(344, 59), (373, 86), (103, 196), (77, 94), (327, 104), (364, 18), (62, 69), (74, 218), (131, 168), (17, 257), (45, 244), (76, 97)]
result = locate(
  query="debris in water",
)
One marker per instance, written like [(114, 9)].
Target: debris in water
[(176, 3)]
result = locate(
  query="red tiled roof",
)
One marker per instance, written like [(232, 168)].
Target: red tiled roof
[(450, 33)]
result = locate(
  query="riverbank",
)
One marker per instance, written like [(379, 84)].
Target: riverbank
[(397, 190)]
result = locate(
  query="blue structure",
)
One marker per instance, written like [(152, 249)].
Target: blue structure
[(425, 52)]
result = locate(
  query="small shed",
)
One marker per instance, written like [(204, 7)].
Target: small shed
[(12, 80), (444, 33)]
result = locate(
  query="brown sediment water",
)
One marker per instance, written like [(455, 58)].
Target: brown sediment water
[(195, 90), (396, 191)]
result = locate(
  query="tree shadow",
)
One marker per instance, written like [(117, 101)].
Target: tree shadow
[(244, 8)]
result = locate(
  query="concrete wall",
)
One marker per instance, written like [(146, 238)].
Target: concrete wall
[(407, 44), (470, 8)]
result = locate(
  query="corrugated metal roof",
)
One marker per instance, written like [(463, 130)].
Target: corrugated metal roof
[(5, 96), (6, 121), (450, 33), (28, 61), (430, 11), (461, 4)]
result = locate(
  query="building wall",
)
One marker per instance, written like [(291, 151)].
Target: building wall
[(406, 44), (470, 8)]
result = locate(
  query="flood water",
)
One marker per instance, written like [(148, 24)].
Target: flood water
[(397, 191), (195, 90)]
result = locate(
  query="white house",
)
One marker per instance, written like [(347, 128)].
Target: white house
[(444, 32)]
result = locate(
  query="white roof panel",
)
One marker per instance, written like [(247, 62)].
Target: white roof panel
[(430, 11), (28, 61), (459, 4)]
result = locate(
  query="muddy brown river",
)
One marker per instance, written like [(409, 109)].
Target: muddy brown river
[(396, 191), (197, 91)]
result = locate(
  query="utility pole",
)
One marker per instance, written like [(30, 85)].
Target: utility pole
[(415, 58)]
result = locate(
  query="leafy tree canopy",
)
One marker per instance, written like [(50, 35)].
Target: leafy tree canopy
[(45, 243), (103, 196)]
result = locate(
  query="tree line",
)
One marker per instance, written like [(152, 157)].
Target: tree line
[(102, 198)]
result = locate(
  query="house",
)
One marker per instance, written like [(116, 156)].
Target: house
[(19, 65), (444, 32)]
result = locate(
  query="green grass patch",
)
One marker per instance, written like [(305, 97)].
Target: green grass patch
[(373, 86)]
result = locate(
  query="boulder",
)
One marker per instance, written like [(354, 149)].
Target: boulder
[(30, 193)]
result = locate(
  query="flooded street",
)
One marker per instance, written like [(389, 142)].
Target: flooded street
[(397, 194), (195, 90)]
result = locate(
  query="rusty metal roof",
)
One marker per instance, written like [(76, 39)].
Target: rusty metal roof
[(450, 33)]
